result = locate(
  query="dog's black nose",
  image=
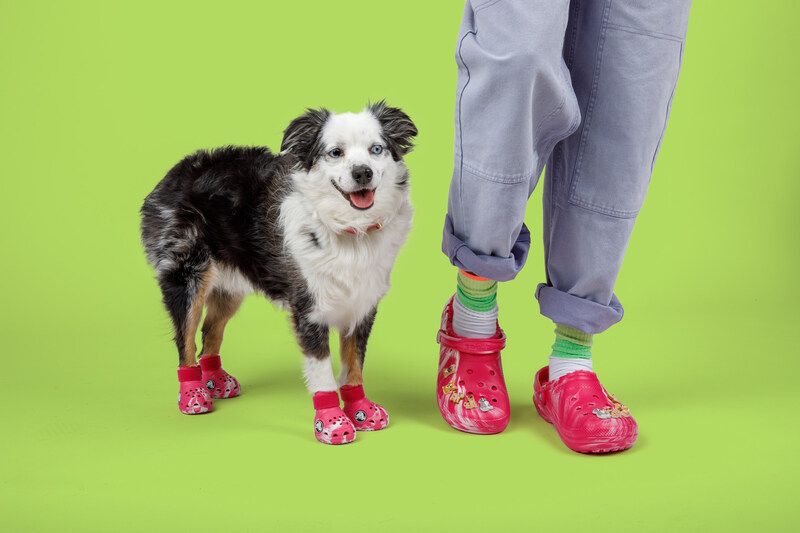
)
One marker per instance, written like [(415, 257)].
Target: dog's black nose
[(362, 174)]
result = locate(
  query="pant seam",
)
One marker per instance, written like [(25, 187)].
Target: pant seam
[(483, 6), (654, 34), (460, 129), (666, 114), (590, 105), (508, 179), (603, 210)]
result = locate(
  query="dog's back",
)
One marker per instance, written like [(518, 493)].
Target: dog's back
[(208, 203)]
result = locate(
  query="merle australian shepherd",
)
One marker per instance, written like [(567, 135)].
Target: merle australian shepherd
[(315, 228)]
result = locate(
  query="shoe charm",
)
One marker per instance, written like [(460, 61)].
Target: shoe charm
[(484, 404), (469, 403)]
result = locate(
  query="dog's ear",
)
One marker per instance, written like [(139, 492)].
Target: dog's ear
[(398, 129), (302, 137)]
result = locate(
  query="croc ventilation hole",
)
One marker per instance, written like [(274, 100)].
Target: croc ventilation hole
[(494, 388), (469, 371), (491, 372), (480, 384)]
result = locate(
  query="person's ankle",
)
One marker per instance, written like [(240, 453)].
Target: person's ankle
[(475, 306), (572, 351)]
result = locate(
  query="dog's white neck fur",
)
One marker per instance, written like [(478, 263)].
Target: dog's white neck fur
[(347, 274)]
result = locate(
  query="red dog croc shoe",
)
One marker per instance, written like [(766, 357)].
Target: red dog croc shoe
[(587, 418), (219, 383), (364, 414), (470, 387), (193, 398), (331, 425)]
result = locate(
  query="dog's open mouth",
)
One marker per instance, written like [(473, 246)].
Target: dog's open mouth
[(361, 199)]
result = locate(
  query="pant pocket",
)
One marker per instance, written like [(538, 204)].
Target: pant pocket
[(625, 120)]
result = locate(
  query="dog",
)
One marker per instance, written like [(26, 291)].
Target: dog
[(315, 228)]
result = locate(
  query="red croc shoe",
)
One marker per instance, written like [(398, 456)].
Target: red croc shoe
[(470, 387), (364, 414), (193, 398), (219, 383), (331, 425), (587, 418)]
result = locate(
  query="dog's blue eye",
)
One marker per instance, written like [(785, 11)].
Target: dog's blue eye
[(335, 153), (376, 149)]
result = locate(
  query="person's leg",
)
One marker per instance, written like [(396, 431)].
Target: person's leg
[(514, 102), (624, 59)]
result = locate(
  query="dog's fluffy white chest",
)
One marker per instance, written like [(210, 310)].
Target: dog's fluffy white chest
[(346, 274)]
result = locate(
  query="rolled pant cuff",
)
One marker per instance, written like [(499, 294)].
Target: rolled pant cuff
[(487, 266), (576, 312)]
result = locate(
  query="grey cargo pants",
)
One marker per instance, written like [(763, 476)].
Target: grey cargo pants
[(584, 86)]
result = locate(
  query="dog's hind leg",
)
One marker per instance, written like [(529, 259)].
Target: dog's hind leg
[(365, 415), (184, 289), (220, 307), (331, 425)]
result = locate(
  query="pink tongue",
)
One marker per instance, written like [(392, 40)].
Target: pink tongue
[(362, 199)]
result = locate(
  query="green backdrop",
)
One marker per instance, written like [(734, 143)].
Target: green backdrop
[(99, 99)]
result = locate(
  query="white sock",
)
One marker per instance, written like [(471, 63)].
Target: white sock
[(560, 366), (473, 324)]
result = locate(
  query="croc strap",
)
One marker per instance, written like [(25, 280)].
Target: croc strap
[(472, 346)]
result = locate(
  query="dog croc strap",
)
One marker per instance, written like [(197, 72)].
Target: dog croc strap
[(326, 400), (209, 363), (189, 373), (351, 393)]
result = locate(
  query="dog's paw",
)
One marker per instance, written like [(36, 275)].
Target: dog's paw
[(367, 415), (331, 426), (364, 414), (219, 383), (194, 399)]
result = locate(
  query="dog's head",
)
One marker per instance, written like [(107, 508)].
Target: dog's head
[(352, 163)]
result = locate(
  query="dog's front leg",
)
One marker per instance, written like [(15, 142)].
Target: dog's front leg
[(331, 425), (317, 369), (365, 415), (353, 350)]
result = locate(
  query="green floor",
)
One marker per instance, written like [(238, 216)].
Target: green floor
[(98, 444), (98, 99)]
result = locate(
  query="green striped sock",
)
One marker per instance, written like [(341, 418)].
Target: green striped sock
[(477, 295), (572, 343)]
